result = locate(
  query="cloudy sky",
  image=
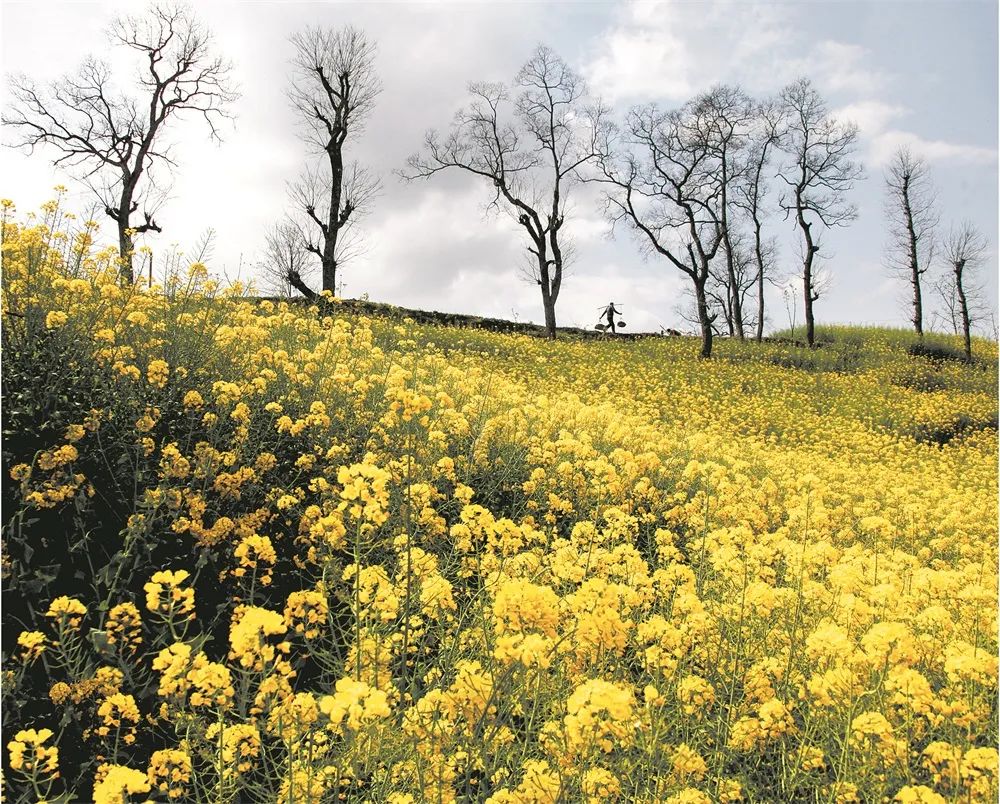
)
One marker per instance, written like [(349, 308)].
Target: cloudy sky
[(917, 73)]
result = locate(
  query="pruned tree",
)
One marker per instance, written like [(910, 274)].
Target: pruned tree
[(819, 173), (663, 181), (965, 250), (334, 87), (115, 141), (312, 193), (530, 149), (766, 137), (912, 220), (285, 259)]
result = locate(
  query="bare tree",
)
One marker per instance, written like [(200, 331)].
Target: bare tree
[(311, 192), (530, 148), (722, 116), (664, 183), (912, 221), (766, 137), (285, 259), (948, 316), (729, 286), (114, 141), (819, 174), (719, 292), (334, 87), (965, 250)]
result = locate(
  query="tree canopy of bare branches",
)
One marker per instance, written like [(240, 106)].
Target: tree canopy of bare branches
[(663, 181), (819, 174), (723, 116), (333, 90), (912, 220), (965, 250), (114, 140), (765, 138), (529, 143)]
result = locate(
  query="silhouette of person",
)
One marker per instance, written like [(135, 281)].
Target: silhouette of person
[(609, 313)]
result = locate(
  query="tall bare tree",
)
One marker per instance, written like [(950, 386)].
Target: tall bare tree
[(723, 116), (912, 221), (114, 141), (530, 149), (965, 250), (334, 87), (819, 174), (664, 182), (766, 137)]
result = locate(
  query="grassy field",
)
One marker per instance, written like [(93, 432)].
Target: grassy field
[(259, 552)]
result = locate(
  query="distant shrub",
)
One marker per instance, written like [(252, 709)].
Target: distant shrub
[(841, 359), (794, 360), (919, 376), (935, 351), (942, 434)]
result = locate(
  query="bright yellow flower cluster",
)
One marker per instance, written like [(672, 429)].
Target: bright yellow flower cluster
[(166, 597), (306, 612), (116, 711), (124, 626), (114, 784), (67, 611), (32, 644), (30, 756), (170, 773), (353, 704)]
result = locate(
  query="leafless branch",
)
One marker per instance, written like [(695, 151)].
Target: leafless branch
[(114, 141)]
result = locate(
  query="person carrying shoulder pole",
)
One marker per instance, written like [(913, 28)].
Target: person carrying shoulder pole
[(609, 314)]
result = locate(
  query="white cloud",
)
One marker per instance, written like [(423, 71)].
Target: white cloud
[(878, 126), (885, 144), (643, 58), (871, 116), (670, 50), (841, 67)]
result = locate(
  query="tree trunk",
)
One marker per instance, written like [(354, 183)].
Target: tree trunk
[(329, 267), (809, 298), (963, 307), (296, 282), (126, 245), (329, 260), (918, 307), (726, 305), (125, 249), (548, 302), (735, 312), (556, 282), (807, 285), (760, 282), (911, 232), (703, 318), (550, 316)]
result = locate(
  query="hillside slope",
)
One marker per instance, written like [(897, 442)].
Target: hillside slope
[(260, 551)]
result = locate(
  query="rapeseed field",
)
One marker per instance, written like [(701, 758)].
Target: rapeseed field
[(264, 551)]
